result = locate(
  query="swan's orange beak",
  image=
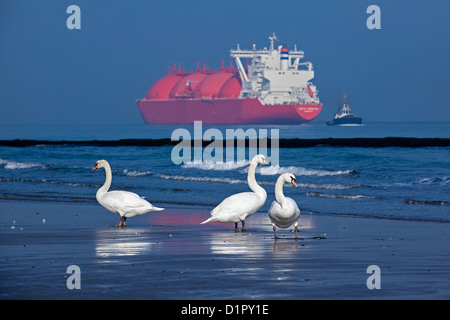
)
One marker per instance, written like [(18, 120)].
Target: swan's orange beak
[(266, 163), (294, 183), (95, 168)]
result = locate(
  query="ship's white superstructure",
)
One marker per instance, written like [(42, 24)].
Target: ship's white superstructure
[(276, 76), (343, 112)]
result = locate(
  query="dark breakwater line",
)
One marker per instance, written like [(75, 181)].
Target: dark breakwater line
[(282, 143)]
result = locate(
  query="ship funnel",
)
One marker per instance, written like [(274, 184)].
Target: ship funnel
[(284, 59)]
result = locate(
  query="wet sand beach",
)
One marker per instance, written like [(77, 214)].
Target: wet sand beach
[(168, 255)]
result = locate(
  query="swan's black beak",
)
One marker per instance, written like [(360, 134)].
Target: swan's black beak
[(95, 168)]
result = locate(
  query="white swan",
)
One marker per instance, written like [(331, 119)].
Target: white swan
[(238, 207), (124, 203), (284, 212)]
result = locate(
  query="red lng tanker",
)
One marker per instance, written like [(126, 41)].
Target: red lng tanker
[(275, 88)]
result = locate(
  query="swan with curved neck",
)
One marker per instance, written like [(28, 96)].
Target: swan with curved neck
[(238, 207), (284, 212), (125, 204)]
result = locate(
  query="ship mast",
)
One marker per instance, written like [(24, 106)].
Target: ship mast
[(272, 39)]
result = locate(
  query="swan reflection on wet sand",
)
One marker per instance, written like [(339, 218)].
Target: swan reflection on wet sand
[(113, 243)]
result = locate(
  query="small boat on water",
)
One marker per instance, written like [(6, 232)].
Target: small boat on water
[(345, 117)]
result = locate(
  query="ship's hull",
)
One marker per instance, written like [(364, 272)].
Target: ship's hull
[(345, 121), (225, 111)]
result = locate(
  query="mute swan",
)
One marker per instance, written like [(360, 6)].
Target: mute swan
[(284, 211), (124, 203), (238, 207)]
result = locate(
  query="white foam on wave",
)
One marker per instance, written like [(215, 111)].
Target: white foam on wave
[(301, 171), (212, 165), (201, 179), (264, 183), (13, 165), (134, 173), (432, 180), (264, 170)]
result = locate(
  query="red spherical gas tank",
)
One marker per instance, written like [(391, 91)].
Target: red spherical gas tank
[(161, 88)]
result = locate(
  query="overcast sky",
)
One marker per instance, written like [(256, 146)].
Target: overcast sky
[(50, 74)]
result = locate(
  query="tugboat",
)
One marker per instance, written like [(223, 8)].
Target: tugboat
[(344, 116)]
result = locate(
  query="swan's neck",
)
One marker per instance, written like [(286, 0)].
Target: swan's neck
[(104, 189), (279, 195), (256, 188)]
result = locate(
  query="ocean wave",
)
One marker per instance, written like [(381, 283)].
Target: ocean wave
[(264, 183), (46, 197), (328, 186), (47, 181), (134, 173), (12, 165), (300, 171), (338, 196), (433, 180), (212, 165), (264, 170), (201, 179), (427, 202)]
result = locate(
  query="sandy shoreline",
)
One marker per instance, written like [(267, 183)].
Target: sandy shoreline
[(168, 255)]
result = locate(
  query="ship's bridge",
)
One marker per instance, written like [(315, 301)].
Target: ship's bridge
[(276, 76)]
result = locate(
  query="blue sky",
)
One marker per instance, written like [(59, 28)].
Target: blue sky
[(49, 74)]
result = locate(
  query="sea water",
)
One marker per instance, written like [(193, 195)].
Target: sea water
[(389, 182)]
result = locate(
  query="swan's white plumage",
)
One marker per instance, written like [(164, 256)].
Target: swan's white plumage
[(124, 203), (238, 207), (284, 211)]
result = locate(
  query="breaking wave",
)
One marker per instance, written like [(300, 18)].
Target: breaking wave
[(212, 165), (433, 180), (12, 165), (264, 183), (134, 173), (300, 171), (201, 179), (264, 170)]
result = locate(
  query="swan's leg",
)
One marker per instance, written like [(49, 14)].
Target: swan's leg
[(243, 225), (296, 229), (124, 221), (236, 229), (275, 232), (121, 223)]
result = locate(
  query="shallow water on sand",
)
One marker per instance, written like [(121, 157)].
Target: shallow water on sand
[(168, 255)]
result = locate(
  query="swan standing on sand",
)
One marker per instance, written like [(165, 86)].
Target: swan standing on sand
[(238, 207), (124, 203), (284, 212)]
